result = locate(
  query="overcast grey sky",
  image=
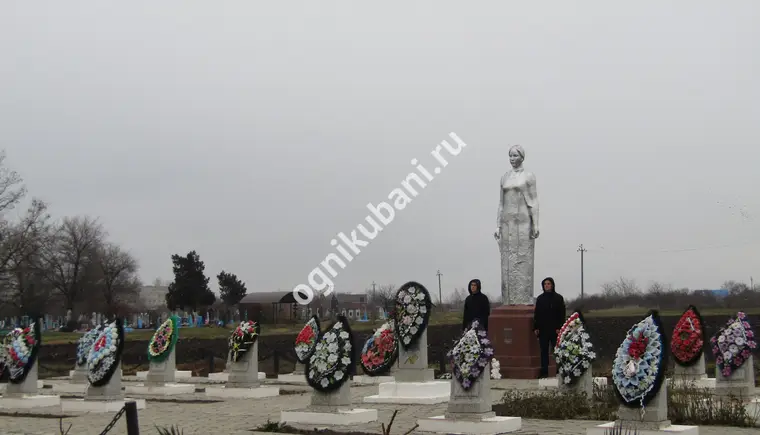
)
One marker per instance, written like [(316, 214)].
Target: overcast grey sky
[(254, 133)]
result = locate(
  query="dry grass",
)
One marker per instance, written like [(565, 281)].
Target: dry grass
[(210, 333)]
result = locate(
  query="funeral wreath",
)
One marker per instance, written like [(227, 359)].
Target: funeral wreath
[(733, 344), (332, 362), (242, 339), (573, 352), (162, 343), (412, 312), (380, 351), (639, 366), (105, 353), (471, 355), (306, 341)]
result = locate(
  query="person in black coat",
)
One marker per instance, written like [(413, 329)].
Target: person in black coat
[(476, 306), (548, 318)]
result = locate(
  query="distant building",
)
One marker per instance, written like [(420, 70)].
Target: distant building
[(154, 296), (720, 293)]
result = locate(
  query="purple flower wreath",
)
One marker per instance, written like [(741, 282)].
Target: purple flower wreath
[(471, 355), (733, 344)]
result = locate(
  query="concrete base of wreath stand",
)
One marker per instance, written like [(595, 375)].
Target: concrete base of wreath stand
[(655, 419), (77, 382), (24, 395), (244, 379), (166, 389), (78, 375), (372, 380), (99, 406), (161, 380), (414, 382), (179, 375), (297, 377), (741, 383), (469, 412), (332, 408), (70, 388), (549, 383), (242, 393), (225, 376), (107, 398), (40, 385)]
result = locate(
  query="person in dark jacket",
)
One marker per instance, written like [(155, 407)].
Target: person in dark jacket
[(548, 318), (476, 306)]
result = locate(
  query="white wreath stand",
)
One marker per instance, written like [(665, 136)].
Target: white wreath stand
[(469, 411), (741, 384), (693, 376), (244, 382), (654, 422), (584, 384), (161, 380), (77, 381), (414, 382), (106, 398), (25, 395), (333, 408), (224, 376)]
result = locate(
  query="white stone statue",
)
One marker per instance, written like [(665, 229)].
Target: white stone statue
[(517, 230)]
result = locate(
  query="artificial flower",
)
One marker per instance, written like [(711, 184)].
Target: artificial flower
[(574, 352), (162, 343), (638, 368), (242, 338), (85, 343), (380, 351), (332, 362), (412, 312), (471, 354), (306, 340), (733, 345), (105, 353), (495, 369), (19, 351), (688, 338)]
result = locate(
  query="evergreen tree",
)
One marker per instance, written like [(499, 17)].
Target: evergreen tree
[(190, 286), (231, 289)]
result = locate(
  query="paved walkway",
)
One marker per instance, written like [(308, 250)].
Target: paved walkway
[(238, 417)]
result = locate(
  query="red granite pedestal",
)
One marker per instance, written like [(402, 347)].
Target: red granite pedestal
[(510, 328)]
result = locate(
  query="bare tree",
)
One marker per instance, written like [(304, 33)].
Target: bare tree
[(117, 269), (12, 187), (20, 268), (68, 255), (622, 287), (382, 296), (457, 297)]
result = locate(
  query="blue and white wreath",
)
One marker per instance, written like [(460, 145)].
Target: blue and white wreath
[(639, 366), (471, 355), (105, 354), (333, 361), (412, 313), (85, 344)]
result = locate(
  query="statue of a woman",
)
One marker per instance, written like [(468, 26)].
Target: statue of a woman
[(516, 230)]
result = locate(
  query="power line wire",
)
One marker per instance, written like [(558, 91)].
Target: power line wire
[(602, 249)]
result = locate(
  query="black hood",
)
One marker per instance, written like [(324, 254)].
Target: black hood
[(551, 280), (477, 282)]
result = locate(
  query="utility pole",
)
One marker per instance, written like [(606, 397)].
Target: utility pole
[(440, 293), (751, 284), (581, 249)]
